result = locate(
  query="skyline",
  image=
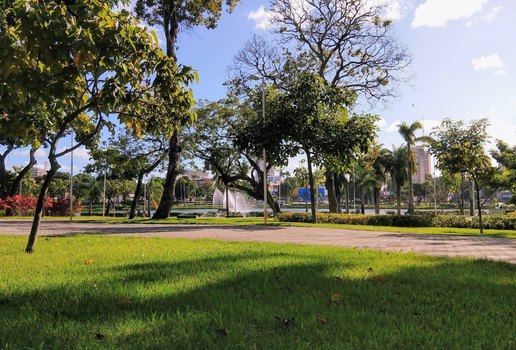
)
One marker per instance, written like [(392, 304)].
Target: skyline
[(462, 65)]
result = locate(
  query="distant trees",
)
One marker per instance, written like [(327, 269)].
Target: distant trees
[(459, 148)]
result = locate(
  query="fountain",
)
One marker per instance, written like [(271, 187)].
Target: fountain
[(238, 203)]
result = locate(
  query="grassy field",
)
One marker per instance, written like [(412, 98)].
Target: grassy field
[(111, 292), (272, 221)]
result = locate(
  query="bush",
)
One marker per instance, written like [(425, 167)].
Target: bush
[(498, 222), (21, 205), (61, 207)]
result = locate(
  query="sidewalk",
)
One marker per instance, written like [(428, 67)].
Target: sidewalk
[(441, 245)]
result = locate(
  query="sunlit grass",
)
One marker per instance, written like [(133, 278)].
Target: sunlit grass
[(121, 292)]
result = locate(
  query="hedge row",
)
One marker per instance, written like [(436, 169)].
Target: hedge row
[(498, 222)]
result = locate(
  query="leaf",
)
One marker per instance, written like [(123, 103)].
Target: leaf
[(321, 319), (379, 278), (88, 261), (336, 297), (76, 58)]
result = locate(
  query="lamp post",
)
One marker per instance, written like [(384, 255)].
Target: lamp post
[(354, 192), (104, 190), (71, 178), (254, 77)]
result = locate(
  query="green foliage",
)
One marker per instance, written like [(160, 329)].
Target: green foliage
[(460, 148), (498, 222)]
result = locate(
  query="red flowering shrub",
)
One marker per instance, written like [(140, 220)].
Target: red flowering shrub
[(21, 205), (61, 207)]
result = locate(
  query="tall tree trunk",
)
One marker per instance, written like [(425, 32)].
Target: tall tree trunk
[(273, 203), (347, 197), (479, 205), (167, 199), (3, 178), (227, 200), (132, 211), (362, 201), (108, 206), (376, 195), (338, 191), (411, 186), (471, 199), (312, 185), (40, 204), (19, 178), (398, 198), (461, 204), (330, 187)]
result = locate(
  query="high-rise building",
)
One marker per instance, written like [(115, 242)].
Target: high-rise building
[(38, 171), (423, 164)]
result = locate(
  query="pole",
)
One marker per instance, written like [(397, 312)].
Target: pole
[(264, 159), (144, 196), (354, 192), (104, 191), (279, 189), (71, 178), (435, 193)]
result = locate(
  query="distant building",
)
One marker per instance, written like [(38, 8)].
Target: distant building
[(38, 171), (423, 164)]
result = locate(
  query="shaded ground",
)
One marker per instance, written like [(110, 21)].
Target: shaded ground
[(440, 245)]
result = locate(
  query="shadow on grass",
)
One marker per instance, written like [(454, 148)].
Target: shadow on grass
[(269, 300)]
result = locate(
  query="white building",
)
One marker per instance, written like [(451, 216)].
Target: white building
[(423, 164)]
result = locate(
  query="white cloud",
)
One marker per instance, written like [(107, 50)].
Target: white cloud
[(488, 18), (261, 17), (500, 72), (382, 123), (82, 153), (437, 13), (488, 63), (393, 127), (393, 8)]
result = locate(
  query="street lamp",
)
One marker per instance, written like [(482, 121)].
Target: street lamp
[(71, 178), (104, 190), (254, 77)]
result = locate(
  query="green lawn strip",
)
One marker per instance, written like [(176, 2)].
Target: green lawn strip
[(183, 294)]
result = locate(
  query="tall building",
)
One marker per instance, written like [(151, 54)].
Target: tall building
[(38, 171), (423, 164)]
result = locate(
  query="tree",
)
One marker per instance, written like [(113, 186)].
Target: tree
[(172, 16), (315, 121), (408, 134), (348, 43), (225, 138), (459, 148), (399, 170), (505, 155), (72, 66)]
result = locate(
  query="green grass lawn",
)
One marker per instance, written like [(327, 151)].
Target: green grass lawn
[(113, 292)]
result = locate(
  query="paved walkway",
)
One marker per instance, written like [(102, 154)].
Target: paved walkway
[(441, 245)]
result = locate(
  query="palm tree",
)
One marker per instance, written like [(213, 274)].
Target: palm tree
[(398, 166), (408, 134), (380, 167)]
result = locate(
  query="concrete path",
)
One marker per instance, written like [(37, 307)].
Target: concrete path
[(441, 245)]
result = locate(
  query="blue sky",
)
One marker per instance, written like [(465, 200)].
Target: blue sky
[(464, 65)]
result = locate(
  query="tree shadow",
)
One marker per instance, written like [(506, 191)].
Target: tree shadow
[(268, 300)]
